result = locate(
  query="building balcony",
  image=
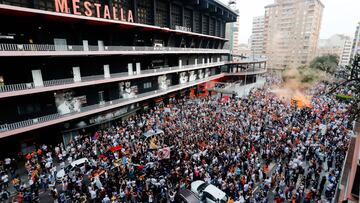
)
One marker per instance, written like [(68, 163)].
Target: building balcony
[(247, 66), (250, 71), (80, 50), (36, 123), (248, 60), (67, 83)]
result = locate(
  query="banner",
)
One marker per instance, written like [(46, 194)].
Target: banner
[(164, 153), (116, 148), (66, 102), (224, 99)]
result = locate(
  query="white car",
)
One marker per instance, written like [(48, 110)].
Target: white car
[(70, 169), (208, 193)]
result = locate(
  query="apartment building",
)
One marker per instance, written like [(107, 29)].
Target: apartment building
[(292, 30), (257, 36), (339, 45)]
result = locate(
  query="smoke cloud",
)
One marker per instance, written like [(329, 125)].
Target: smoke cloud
[(296, 82)]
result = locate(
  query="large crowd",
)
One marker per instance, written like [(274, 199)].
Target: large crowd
[(255, 149)]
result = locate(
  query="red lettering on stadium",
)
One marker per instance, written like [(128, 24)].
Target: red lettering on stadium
[(93, 10)]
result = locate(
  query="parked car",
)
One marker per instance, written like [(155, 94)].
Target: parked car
[(186, 196), (71, 168), (208, 193)]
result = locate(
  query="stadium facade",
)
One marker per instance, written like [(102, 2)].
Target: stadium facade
[(69, 65)]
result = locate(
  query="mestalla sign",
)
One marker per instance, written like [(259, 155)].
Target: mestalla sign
[(90, 9)]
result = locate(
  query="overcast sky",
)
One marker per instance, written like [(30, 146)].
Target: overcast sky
[(339, 16)]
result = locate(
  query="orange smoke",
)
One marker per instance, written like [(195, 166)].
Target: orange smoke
[(295, 97), (292, 88), (300, 100)]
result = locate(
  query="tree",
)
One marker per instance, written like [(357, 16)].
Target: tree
[(352, 82), (327, 63)]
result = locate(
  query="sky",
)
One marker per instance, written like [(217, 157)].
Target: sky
[(339, 16)]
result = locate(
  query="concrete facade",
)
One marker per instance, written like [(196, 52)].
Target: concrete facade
[(292, 32), (257, 36), (339, 45)]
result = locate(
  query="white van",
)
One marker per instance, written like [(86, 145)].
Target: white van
[(70, 169), (208, 193)]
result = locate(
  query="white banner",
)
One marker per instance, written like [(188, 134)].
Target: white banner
[(164, 153)]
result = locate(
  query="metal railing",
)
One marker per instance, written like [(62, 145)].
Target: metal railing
[(247, 72), (250, 60), (43, 119), (15, 87), (49, 83), (66, 81), (91, 48)]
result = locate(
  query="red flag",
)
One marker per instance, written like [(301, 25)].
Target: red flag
[(117, 148), (28, 156), (224, 99)]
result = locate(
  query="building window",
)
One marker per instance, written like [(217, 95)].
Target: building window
[(188, 19), (197, 25), (223, 29), (124, 4), (161, 18), (147, 85), (176, 16), (205, 25), (218, 28), (22, 3), (212, 26), (144, 12), (45, 5)]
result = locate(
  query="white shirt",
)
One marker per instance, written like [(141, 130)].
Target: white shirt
[(106, 200), (92, 194), (7, 161), (5, 178), (172, 196), (150, 198), (241, 200), (48, 165)]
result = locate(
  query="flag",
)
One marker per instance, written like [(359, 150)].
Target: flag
[(96, 136), (224, 99), (116, 148), (164, 153)]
